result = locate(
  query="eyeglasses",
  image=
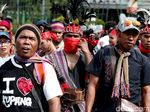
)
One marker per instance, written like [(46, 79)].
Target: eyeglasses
[(4, 42), (134, 23)]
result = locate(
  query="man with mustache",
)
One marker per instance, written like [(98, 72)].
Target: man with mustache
[(119, 71), (28, 83)]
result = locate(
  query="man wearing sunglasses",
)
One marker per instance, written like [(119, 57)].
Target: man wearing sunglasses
[(119, 72)]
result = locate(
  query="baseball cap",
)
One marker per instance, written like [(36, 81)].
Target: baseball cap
[(42, 23), (4, 34), (128, 23)]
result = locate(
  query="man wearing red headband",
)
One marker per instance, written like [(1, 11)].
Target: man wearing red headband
[(57, 29), (70, 64), (46, 46), (113, 37), (144, 46)]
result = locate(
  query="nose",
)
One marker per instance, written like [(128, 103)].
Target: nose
[(27, 41), (148, 39), (131, 37)]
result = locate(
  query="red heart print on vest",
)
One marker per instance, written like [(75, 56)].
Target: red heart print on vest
[(24, 85)]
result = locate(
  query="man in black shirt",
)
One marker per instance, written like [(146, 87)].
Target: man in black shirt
[(119, 71)]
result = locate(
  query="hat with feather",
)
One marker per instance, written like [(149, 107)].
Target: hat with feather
[(74, 13), (144, 18)]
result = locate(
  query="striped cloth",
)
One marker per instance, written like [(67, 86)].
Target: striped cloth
[(60, 64), (121, 83)]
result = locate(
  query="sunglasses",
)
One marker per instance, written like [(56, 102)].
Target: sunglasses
[(130, 22)]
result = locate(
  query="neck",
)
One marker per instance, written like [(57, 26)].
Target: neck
[(120, 47), (143, 50), (4, 55)]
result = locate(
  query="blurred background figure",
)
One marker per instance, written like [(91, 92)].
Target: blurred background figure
[(113, 37), (47, 45), (42, 25), (5, 47), (144, 37), (5, 44), (57, 29), (4, 26), (104, 39)]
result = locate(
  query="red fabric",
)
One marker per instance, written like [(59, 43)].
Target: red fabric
[(64, 86), (142, 49), (5, 23), (146, 29), (54, 36), (71, 45), (113, 33), (93, 42), (74, 29), (46, 35)]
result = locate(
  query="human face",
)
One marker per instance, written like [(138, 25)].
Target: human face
[(5, 47), (112, 40), (3, 28), (45, 44), (26, 44), (59, 35), (145, 40), (127, 39), (72, 35)]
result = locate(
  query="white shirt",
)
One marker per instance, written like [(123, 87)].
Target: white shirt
[(3, 60), (103, 41)]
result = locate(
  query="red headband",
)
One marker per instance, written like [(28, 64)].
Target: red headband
[(5, 23), (46, 35), (146, 29), (73, 29), (113, 33)]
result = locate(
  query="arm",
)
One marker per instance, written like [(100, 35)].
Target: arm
[(84, 48), (52, 89), (54, 105), (146, 98), (91, 93)]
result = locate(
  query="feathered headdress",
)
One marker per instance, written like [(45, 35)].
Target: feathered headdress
[(2, 9), (72, 10), (144, 18)]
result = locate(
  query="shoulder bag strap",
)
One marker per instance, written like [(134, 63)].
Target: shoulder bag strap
[(34, 91)]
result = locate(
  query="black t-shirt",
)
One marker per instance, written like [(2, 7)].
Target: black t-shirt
[(101, 66), (16, 89), (78, 73)]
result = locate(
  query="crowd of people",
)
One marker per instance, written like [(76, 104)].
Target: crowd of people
[(57, 67)]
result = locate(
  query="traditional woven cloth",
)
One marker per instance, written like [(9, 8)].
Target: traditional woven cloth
[(121, 83), (62, 71), (34, 59)]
